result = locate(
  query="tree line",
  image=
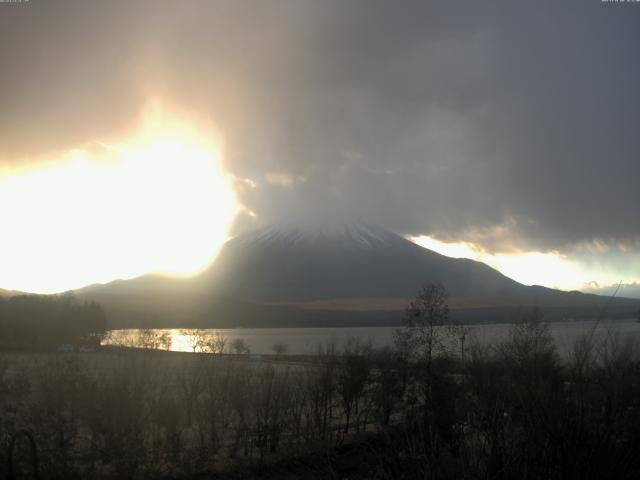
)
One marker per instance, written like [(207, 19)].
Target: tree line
[(46, 321)]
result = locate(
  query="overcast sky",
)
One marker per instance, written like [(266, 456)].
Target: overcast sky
[(510, 125)]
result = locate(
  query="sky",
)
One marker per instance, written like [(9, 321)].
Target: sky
[(507, 130)]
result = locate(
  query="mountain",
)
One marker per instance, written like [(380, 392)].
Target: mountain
[(293, 264), (10, 293), (345, 274)]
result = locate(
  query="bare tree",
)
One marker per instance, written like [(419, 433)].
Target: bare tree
[(530, 341), (353, 379), (279, 349), (321, 387), (216, 344), (121, 338), (190, 380), (196, 338), (240, 346), (153, 339), (420, 338), (387, 386)]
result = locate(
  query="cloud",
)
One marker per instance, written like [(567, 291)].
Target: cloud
[(283, 179), (508, 126), (629, 290)]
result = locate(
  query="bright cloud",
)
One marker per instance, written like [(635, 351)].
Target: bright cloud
[(550, 269), (155, 202)]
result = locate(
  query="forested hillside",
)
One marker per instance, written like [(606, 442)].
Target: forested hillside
[(45, 321)]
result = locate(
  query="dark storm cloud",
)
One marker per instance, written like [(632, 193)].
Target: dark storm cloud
[(510, 125)]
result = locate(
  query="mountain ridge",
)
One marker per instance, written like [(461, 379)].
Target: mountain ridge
[(338, 275), (356, 260)]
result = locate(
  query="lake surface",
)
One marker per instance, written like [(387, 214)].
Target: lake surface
[(306, 340)]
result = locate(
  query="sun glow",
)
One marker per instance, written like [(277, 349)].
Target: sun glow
[(157, 201), (531, 268)]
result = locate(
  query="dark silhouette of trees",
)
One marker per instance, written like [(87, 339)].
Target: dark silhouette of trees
[(45, 321), (279, 349), (421, 338), (514, 409), (353, 379), (240, 347), (422, 342)]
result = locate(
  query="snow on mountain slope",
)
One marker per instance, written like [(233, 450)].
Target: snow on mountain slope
[(298, 263), (349, 235)]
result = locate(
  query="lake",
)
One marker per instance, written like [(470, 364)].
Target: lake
[(301, 341)]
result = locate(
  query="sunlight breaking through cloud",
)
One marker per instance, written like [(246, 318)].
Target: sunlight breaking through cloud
[(550, 269), (155, 202)]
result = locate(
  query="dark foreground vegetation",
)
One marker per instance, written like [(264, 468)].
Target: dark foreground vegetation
[(44, 322), (432, 407)]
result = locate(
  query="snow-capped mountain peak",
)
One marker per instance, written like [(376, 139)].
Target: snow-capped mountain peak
[(351, 235)]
